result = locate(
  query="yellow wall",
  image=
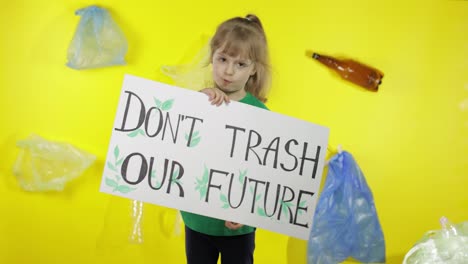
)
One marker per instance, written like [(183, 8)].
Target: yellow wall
[(410, 138)]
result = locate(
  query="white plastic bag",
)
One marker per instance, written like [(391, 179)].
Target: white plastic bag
[(45, 165), (446, 246)]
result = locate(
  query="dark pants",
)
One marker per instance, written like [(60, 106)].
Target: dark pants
[(205, 249)]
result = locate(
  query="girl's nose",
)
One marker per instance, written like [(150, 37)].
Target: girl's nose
[(229, 69)]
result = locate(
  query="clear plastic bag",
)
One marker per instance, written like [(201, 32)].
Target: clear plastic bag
[(345, 222), (447, 246), (98, 41), (196, 74), (45, 165)]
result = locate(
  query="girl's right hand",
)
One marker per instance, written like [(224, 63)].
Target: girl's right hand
[(232, 225), (216, 96)]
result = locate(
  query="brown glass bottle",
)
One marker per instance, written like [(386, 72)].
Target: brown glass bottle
[(352, 71)]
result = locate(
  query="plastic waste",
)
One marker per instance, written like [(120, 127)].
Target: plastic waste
[(98, 41), (44, 165), (351, 70), (345, 222), (448, 245), (196, 74), (130, 222), (136, 235)]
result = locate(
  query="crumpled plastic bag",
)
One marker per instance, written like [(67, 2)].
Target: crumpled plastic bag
[(447, 246), (98, 41), (196, 74), (345, 222), (45, 165)]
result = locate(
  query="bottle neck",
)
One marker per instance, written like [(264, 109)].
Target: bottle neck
[(328, 61)]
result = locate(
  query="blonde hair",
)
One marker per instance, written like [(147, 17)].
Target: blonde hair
[(246, 37)]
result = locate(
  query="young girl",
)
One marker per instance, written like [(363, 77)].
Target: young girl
[(239, 57)]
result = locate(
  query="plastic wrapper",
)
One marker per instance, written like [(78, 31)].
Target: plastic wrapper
[(98, 41), (44, 165), (129, 223), (448, 246), (196, 71), (136, 230), (345, 222), (136, 235)]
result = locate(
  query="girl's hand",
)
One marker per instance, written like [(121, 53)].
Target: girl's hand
[(233, 225), (216, 96)]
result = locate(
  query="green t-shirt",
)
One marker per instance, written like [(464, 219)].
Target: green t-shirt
[(213, 226)]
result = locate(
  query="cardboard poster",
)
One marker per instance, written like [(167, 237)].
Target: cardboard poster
[(169, 146)]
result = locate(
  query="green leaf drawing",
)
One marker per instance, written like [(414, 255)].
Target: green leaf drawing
[(115, 167), (124, 189), (116, 152), (195, 139), (285, 206), (136, 133), (111, 183), (119, 162), (111, 166), (202, 184), (157, 102), (153, 175), (258, 197), (261, 211), (167, 105), (205, 175), (203, 192), (223, 198), (301, 204), (242, 175), (194, 142), (133, 134)]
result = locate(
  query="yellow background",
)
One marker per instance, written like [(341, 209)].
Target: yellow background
[(410, 139)]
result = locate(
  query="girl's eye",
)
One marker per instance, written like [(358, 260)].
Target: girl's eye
[(242, 65), (221, 59)]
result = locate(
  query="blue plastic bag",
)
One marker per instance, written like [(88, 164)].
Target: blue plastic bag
[(345, 222), (98, 41)]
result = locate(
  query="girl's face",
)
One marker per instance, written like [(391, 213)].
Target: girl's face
[(232, 73)]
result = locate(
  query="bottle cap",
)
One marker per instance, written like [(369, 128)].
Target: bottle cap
[(312, 54)]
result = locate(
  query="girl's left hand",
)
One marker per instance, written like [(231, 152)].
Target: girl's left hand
[(233, 225), (216, 96)]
